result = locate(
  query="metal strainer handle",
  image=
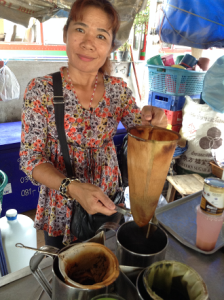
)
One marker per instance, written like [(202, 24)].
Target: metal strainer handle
[(19, 245)]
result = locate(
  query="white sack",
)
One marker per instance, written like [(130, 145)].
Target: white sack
[(203, 128)]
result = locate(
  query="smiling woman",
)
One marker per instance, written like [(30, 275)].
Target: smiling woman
[(98, 18), (94, 104)]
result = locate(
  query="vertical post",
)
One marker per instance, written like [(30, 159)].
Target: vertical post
[(136, 78), (197, 53), (142, 53), (152, 15), (41, 34)]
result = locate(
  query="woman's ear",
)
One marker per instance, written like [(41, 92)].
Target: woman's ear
[(65, 34)]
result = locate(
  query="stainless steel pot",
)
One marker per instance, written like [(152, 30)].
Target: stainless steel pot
[(142, 292), (95, 263), (59, 290), (134, 248), (169, 279)]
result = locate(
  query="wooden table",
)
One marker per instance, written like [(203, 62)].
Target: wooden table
[(185, 184)]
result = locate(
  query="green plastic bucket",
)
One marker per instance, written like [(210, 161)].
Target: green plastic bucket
[(3, 182)]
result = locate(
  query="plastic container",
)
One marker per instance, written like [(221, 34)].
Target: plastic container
[(3, 183), (208, 229), (168, 60), (155, 61), (3, 265), (175, 81), (17, 229), (178, 59), (188, 61), (167, 101), (173, 117)]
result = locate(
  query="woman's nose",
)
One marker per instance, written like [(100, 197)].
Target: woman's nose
[(88, 43)]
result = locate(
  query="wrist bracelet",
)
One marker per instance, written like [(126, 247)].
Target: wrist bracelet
[(63, 189)]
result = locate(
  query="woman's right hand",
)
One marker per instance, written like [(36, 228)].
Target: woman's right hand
[(91, 198)]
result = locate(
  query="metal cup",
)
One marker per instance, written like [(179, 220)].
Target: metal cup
[(134, 249)]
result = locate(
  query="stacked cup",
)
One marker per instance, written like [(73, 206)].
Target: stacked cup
[(210, 214)]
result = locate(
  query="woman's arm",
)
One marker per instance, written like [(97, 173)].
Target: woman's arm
[(48, 175), (132, 116), (91, 197), (34, 128)]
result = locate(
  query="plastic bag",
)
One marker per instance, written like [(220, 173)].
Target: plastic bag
[(9, 86), (213, 87)]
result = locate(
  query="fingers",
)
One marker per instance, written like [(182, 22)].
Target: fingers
[(104, 205), (100, 208), (154, 116), (146, 114), (92, 198), (105, 200), (159, 117)]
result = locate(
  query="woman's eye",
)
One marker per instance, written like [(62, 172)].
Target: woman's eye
[(79, 30), (102, 37)]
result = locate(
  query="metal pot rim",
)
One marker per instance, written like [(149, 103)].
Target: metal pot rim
[(139, 254)]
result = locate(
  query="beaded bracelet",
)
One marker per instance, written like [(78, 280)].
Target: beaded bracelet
[(64, 186)]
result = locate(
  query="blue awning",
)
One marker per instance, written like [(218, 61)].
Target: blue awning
[(193, 23)]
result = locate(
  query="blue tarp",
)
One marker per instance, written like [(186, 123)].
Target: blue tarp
[(193, 23)]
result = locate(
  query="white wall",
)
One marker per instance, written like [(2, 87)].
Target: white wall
[(10, 111)]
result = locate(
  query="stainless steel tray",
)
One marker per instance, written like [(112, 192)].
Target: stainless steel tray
[(179, 219)]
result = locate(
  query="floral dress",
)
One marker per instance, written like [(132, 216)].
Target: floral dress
[(90, 142)]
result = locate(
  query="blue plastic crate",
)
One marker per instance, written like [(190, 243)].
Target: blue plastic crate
[(174, 81), (169, 102), (22, 194)]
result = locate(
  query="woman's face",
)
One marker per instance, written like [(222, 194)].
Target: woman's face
[(89, 41)]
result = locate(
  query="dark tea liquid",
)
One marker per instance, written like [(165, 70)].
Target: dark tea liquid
[(134, 239), (173, 295)]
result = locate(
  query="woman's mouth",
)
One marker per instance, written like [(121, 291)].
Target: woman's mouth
[(85, 58)]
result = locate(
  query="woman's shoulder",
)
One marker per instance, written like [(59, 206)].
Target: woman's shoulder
[(45, 82), (41, 80), (112, 80)]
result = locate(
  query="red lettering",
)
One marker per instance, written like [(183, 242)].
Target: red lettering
[(25, 10)]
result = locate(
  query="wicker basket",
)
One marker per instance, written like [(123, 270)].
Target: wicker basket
[(216, 170)]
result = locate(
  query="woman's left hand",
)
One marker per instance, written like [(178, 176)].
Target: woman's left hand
[(154, 116)]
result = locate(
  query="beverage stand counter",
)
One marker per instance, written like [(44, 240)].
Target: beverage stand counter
[(23, 285)]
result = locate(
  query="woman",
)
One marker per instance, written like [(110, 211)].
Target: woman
[(94, 105)]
